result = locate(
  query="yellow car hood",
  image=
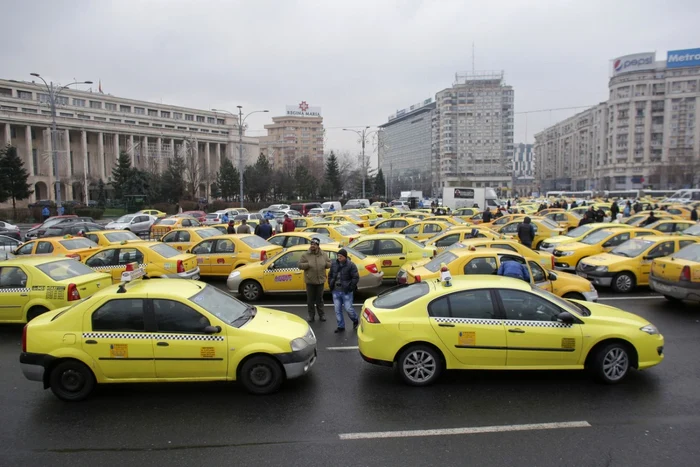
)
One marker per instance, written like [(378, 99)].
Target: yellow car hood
[(559, 239), (277, 323), (604, 259), (604, 314), (571, 246)]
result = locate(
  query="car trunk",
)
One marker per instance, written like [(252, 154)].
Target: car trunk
[(671, 269), (87, 284)]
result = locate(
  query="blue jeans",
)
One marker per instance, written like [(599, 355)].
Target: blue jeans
[(342, 301)]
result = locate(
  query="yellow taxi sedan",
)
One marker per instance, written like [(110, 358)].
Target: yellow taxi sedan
[(153, 331), (290, 239), (164, 225), (183, 239), (221, 254), (472, 260), (444, 240), (153, 212), (677, 277), (391, 225), (568, 255), (544, 229), (341, 233), (629, 264), (281, 274), (77, 248), (424, 229), (578, 234), (30, 286), (351, 219), (158, 259), (393, 250), (110, 237), (682, 212), (544, 259), (566, 219), (639, 219), (466, 213), (456, 221), (496, 323)]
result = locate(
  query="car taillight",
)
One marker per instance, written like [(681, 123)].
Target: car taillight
[(401, 279), (552, 262), (434, 254), (263, 255), (24, 338), (351, 240), (685, 273), (369, 316), (372, 268), (73, 293), (180, 266), (362, 225), (418, 278), (74, 256)]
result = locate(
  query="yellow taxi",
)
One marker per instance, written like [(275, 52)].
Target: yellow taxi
[(304, 222), (158, 259), (77, 248), (164, 225), (416, 215), (472, 260), (110, 237), (290, 239), (499, 222), (153, 212), (182, 239), (152, 331), (351, 219), (281, 274), (222, 228), (220, 254), (629, 264), (578, 234), (681, 211), (677, 277), (393, 250), (528, 208), (448, 220), (30, 286), (379, 211), (565, 219), (544, 229), (390, 211), (466, 213), (568, 255), (638, 220), (341, 233), (544, 212), (692, 230), (391, 225), (544, 259), (670, 226), (424, 229), (495, 323), (444, 240)]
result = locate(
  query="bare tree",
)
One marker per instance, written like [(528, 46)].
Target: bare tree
[(193, 172)]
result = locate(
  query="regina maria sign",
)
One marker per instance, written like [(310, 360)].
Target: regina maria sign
[(635, 62), (683, 58), (303, 110)]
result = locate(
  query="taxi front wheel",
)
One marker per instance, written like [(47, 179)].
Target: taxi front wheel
[(261, 375), (71, 381), (251, 291), (611, 363), (419, 365)]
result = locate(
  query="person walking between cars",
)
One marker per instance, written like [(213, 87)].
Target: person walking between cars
[(45, 213), (230, 229), (264, 229), (511, 268), (314, 263), (486, 216), (244, 228), (693, 214), (288, 224), (224, 218), (343, 279), (526, 232)]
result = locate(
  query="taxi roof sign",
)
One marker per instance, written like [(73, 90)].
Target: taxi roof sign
[(132, 272)]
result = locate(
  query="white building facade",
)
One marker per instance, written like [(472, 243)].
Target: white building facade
[(523, 169), (93, 128)]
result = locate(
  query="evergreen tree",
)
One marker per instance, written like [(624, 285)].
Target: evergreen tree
[(305, 182), (173, 181), (332, 180), (228, 180), (215, 191), (101, 196), (259, 180), (379, 184), (120, 175), (13, 178)]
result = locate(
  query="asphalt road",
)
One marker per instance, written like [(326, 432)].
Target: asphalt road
[(651, 419)]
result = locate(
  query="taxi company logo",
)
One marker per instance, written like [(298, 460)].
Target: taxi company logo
[(303, 106)]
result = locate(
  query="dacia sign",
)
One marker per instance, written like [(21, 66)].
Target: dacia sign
[(635, 62), (683, 58)]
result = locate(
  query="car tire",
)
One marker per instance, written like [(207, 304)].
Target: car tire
[(261, 375), (419, 365), (623, 282), (574, 296), (35, 311), (611, 363), (71, 381), (251, 291)]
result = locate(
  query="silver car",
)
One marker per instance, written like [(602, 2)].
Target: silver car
[(136, 223)]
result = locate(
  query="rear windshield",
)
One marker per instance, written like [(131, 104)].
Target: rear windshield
[(578, 231), (693, 230), (53, 232), (121, 236), (549, 223), (690, 253), (77, 243), (206, 233), (166, 251), (355, 253), (346, 230), (445, 257), (255, 242), (401, 296), (213, 216), (64, 269), (167, 222)]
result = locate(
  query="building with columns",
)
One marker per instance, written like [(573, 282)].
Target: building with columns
[(93, 128)]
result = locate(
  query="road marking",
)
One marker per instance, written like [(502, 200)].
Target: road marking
[(299, 305), (463, 431), (350, 347), (645, 297)]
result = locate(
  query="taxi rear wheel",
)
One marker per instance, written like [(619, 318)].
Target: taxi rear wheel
[(261, 375), (623, 282), (419, 365), (251, 291), (71, 381), (35, 311)]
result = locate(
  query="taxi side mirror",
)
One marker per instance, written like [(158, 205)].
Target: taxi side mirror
[(212, 329), (566, 317), (552, 276), (187, 251)]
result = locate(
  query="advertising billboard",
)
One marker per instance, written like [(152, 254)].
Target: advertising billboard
[(683, 58), (634, 62), (303, 110)]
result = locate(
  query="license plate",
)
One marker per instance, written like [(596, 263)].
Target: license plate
[(584, 275)]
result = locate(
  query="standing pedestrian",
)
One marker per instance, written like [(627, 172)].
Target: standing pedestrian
[(61, 210), (526, 232), (614, 210), (314, 263), (230, 229), (288, 224), (693, 214), (628, 209), (224, 218), (264, 229), (343, 279), (587, 219), (45, 213), (244, 228), (486, 216)]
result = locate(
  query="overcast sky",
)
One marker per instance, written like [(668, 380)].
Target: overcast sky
[(358, 60)]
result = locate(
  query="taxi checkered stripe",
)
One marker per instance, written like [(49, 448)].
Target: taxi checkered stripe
[(15, 289), (492, 322), (509, 322), (270, 271), (117, 266), (129, 335)]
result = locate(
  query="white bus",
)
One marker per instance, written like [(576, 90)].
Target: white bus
[(659, 193), (578, 194), (686, 195), (554, 194), (623, 194)]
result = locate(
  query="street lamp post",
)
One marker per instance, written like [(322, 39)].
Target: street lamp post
[(363, 140), (241, 119), (54, 91)]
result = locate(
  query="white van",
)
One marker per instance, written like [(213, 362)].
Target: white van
[(467, 197), (363, 202), (336, 206)]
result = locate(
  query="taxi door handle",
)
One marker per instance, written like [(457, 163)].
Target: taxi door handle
[(402, 257), (518, 331), (162, 344), (23, 295), (446, 325), (91, 342)]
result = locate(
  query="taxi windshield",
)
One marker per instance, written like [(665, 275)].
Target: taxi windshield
[(166, 251), (77, 243), (167, 222), (578, 231), (206, 233), (632, 248), (346, 230), (254, 242), (64, 269), (445, 257), (121, 236), (596, 237), (689, 253), (223, 306), (549, 223)]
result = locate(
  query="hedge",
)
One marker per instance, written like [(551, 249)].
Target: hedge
[(95, 213)]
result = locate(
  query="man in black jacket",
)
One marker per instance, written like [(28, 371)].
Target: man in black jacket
[(486, 216), (343, 279), (526, 232)]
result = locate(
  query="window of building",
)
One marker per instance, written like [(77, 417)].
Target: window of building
[(117, 120), (95, 104), (164, 114), (125, 108), (61, 100), (158, 125), (139, 110), (200, 118), (211, 120), (99, 119), (35, 161), (31, 111), (7, 92), (189, 117), (79, 102), (152, 113), (220, 121), (64, 114), (110, 106), (24, 95), (177, 115), (133, 122), (144, 123)]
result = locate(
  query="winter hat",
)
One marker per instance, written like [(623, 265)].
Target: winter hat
[(343, 252)]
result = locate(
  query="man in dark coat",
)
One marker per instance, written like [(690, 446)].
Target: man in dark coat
[(342, 280), (526, 232)]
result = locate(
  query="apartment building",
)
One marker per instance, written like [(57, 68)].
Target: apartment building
[(93, 128), (523, 169)]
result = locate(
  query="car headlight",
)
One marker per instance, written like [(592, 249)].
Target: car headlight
[(649, 329), (601, 269), (593, 289), (300, 343), (566, 253), (234, 274)]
